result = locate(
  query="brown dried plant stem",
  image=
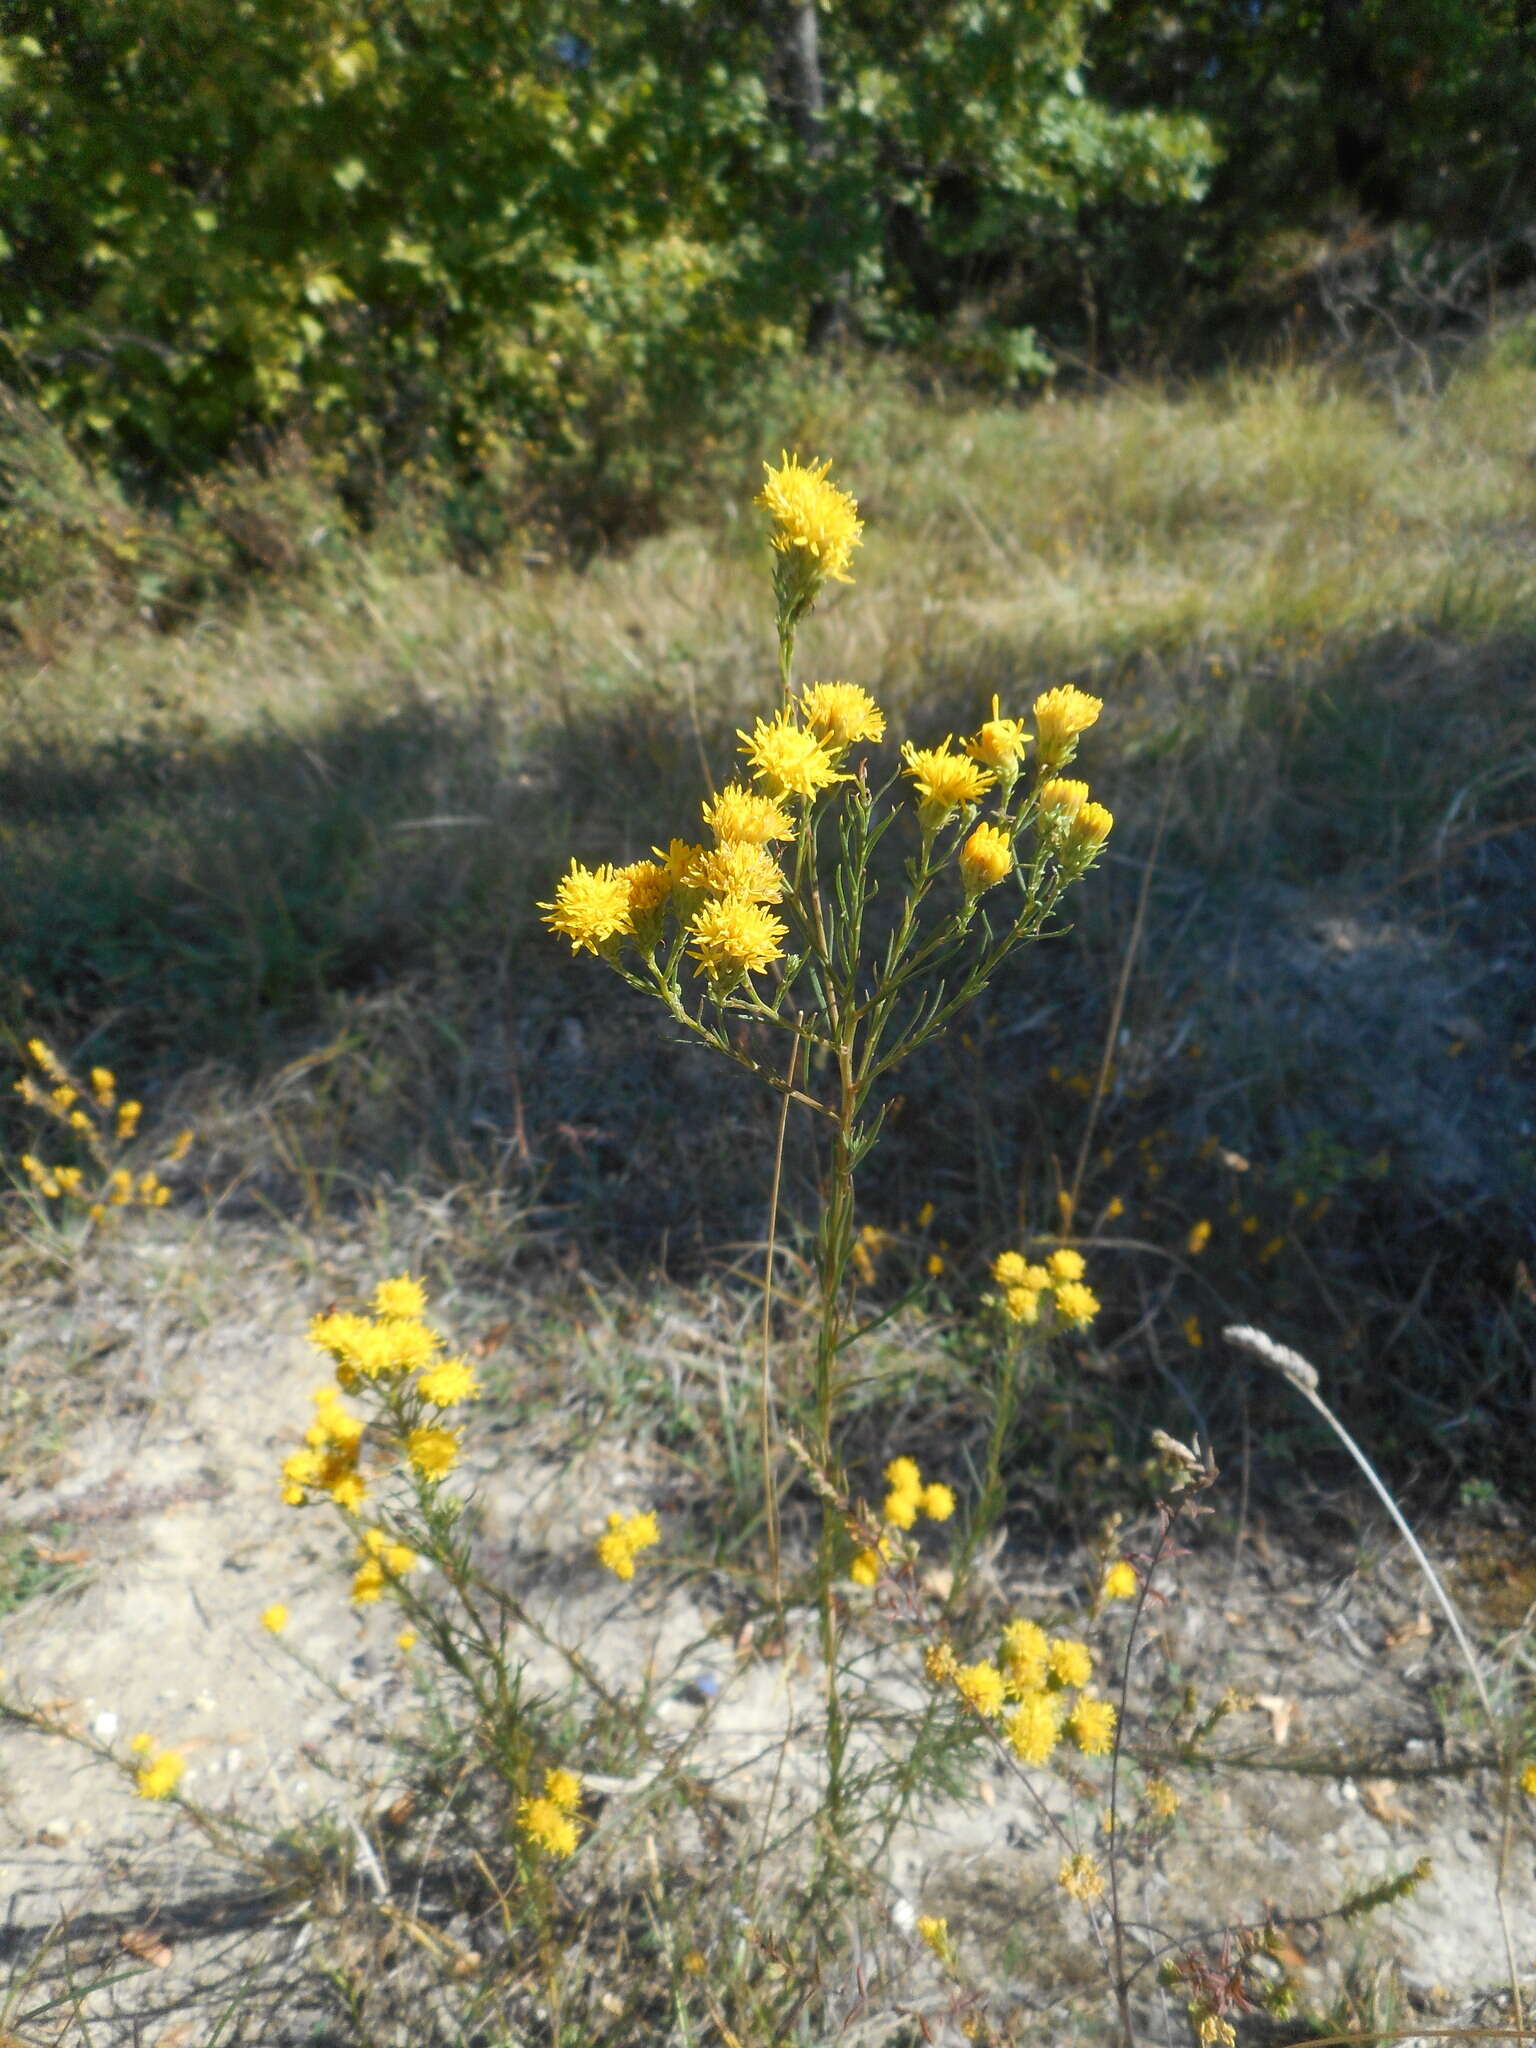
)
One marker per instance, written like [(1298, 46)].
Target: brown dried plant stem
[(1303, 1377)]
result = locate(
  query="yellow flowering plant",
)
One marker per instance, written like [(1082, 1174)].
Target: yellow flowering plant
[(836, 993), (112, 1169)]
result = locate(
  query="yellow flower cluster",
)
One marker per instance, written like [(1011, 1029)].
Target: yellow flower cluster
[(103, 1125), (906, 1498), (382, 1559), (393, 1359), (934, 1932), (160, 1772), (1081, 1878), (813, 520), (1024, 1690), (623, 1540), (1029, 1289), (552, 1822)]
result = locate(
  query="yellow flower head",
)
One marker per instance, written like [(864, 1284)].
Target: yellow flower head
[(1033, 1729), (1076, 1304), (159, 1778), (402, 1297), (745, 815), (1022, 1304), (624, 1538), (1199, 1237), (406, 1640), (1000, 744), (811, 515), (945, 780), (901, 1508), (985, 858), (563, 1789), (434, 1452), (981, 1687), (448, 1382), (732, 937), (934, 1933), (1025, 1657), (1091, 826), (274, 1618), (902, 1475), (649, 884), (787, 758), (1060, 801), (368, 1582), (739, 869), (865, 1568), (1161, 1798), (1081, 1878), (937, 1502), (1528, 1781), (1091, 1724), (678, 859), (1060, 715), (1070, 1662), (840, 714), (1066, 1264), (1009, 1269), (591, 907), (1120, 1581), (103, 1085), (542, 1822), (128, 1118), (939, 1664)]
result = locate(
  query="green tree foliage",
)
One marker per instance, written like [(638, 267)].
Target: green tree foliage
[(509, 232)]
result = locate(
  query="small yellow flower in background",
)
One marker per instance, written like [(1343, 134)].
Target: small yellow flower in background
[(1161, 1798), (732, 938), (434, 1452), (981, 1687), (903, 1475), (925, 1215), (103, 1086), (1212, 2030), (1528, 1781), (1033, 1729), (999, 745), (590, 908), (564, 1788), (448, 1382), (937, 1502), (1091, 1724), (841, 714), (1025, 1657), (741, 816), (944, 780), (406, 1640), (933, 1265), (1066, 1264), (934, 1933), (1120, 1582), (368, 1582), (1076, 1304), (1022, 1304), (348, 1489), (159, 1778), (274, 1618), (738, 868), (139, 1744), (939, 1664), (1081, 1878), (1060, 715), (1114, 1208), (811, 515), (865, 1568), (788, 759), (542, 1822), (1199, 1237), (1069, 1662), (985, 858), (625, 1537), (1194, 1336)]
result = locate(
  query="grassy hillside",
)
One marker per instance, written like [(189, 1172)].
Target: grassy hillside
[(280, 865)]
